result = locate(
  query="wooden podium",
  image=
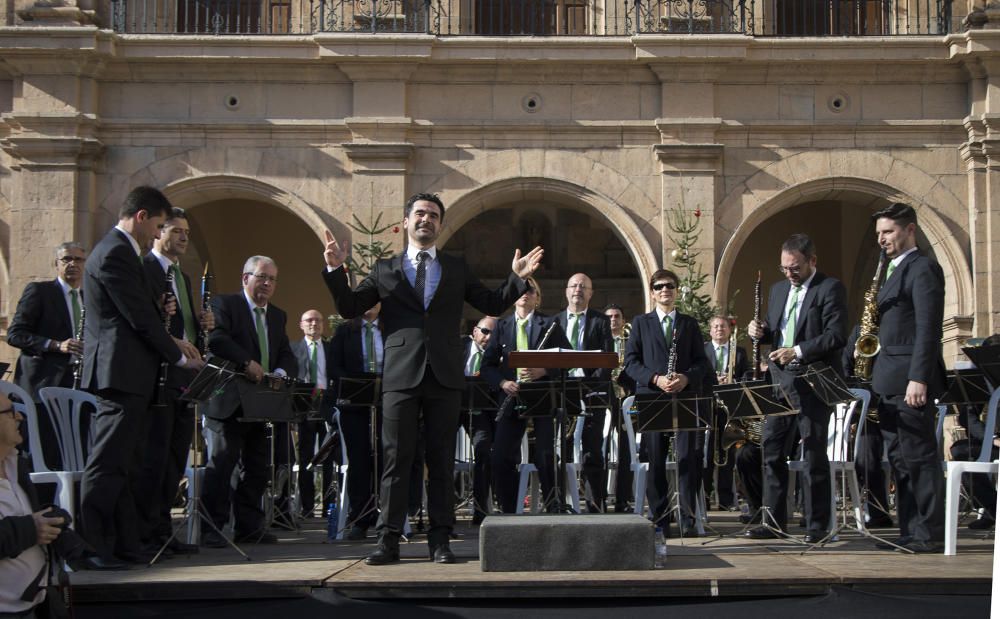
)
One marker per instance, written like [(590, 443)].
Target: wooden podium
[(562, 359)]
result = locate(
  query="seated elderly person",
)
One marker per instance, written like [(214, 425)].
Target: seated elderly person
[(26, 529)]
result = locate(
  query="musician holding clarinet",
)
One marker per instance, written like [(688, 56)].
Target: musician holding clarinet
[(665, 353)]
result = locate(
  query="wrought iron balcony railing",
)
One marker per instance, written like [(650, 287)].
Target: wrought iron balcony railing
[(809, 18)]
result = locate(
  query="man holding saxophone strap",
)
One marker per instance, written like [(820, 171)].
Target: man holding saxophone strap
[(647, 360), (806, 323), (909, 374)]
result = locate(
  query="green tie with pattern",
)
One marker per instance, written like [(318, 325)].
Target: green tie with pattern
[(262, 339), (574, 330), (313, 362), (718, 360), (477, 361), (74, 297), (668, 329), (184, 301), (522, 334), (793, 314), (888, 271)]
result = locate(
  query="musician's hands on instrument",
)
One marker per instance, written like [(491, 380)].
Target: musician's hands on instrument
[(510, 387), (169, 303), (783, 356), (188, 349), (530, 373), (722, 378), (254, 372), (523, 266), (756, 329), (194, 364), (676, 383), (334, 254), (71, 346), (916, 394), (46, 529), (207, 321)]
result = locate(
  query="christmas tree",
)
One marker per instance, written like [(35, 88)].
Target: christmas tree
[(364, 255), (685, 227)]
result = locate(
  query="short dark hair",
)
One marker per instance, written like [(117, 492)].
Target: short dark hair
[(801, 243), (613, 306), (664, 273), (902, 214), (992, 340), (428, 197), (177, 213), (145, 198)]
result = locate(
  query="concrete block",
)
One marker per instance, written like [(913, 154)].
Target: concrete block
[(583, 542)]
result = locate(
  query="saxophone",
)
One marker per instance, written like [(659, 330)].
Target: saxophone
[(867, 344), (731, 364), (77, 360), (620, 349)]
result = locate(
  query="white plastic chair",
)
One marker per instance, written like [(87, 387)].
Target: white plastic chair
[(344, 501), (982, 466), (65, 410)]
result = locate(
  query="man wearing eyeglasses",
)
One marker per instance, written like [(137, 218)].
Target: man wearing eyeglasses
[(250, 332), (806, 322), (45, 326), (589, 329), (647, 358), (480, 426)]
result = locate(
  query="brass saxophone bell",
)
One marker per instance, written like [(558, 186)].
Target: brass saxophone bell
[(867, 346)]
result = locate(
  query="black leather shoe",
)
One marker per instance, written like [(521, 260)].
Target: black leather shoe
[(902, 540), (442, 554), (761, 533), (920, 547), (257, 537), (814, 537), (983, 524), (211, 539), (357, 533), (97, 563), (383, 555)]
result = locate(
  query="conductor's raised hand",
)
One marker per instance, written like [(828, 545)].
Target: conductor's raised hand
[(335, 254), (524, 266)]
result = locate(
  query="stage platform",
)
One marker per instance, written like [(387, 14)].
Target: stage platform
[(303, 565)]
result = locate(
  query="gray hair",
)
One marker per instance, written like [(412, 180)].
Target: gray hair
[(69, 245), (250, 266)]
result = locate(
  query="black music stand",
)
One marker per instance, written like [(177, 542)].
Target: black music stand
[(209, 382), (969, 386), (826, 384), (477, 398), (987, 360), (672, 412), (364, 391)]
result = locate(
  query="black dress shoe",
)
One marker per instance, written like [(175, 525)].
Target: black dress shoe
[(383, 555), (257, 537), (983, 524), (761, 533), (814, 537), (921, 547), (211, 539), (902, 540), (442, 554), (357, 533)]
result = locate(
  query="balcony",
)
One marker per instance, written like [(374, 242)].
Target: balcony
[(759, 18)]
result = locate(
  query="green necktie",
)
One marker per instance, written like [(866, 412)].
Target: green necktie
[(888, 271), (718, 360), (184, 301), (793, 314), (574, 337), (370, 346), (262, 339), (668, 329), (313, 366), (522, 334), (74, 298), (477, 360)]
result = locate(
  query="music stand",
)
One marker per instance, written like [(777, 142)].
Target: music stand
[(987, 360), (477, 398), (562, 359), (825, 383), (671, 412), (364, 391), (966, 387), (209, 381)]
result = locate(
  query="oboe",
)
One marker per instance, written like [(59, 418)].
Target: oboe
[(206, 299), (77, 361), (161, 379), (756, 317)]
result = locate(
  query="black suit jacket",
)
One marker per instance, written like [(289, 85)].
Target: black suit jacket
[(647, 351), (911, 313), (124, 338), (235, 339), (176, 377), (495, 368), (742, 363), (347, 353), (597, 336), (301, 351), (41, 315), (820, 326), (414, 337)]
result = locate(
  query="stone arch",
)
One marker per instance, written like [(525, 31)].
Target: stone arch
[(502, 192), (938, 229)]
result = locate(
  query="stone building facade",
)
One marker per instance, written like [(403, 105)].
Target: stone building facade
[(578, 136)]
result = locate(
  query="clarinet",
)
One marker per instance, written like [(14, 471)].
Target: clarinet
[(672, 357), (756, 317), (206, 306), (510, 398), (77, 360), (161, 378)]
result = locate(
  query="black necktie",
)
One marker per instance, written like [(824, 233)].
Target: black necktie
[(420, 281)]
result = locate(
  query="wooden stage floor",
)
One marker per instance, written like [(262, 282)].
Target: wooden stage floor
[(723, 567)]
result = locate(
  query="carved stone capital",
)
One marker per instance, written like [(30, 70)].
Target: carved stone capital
[(379, 158), (690, 158)]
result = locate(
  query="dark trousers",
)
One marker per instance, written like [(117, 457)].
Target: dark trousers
[(983, 492), (871, 475), (623, 472), (355, 423), (689, 453), (592, 452), (812, 423), (311, 436), (107, 506), (913, 453), (169, 441), (507, 455), (229, 442), (402, 410), (481, 427), (747, 459)]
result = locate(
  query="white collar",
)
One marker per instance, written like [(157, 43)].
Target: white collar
[(131, 239), (660, 314), (164, 261), (895, 261), (65, 286), (251, 303), (411, 253), (528, 318)]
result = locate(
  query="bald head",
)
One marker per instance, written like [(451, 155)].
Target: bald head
[(579, 289), (311, 324)]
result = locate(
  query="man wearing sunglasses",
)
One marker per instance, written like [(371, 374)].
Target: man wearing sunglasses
[(44, 327), (480, 426), (806, 322), (647, 356)]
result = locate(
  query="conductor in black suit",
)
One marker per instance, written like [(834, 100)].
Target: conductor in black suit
[(909, 374), (250, 332), (422, 292), (718, 352), (44, 327), (124, 342), (806, 323), (647, 355), (171, 422), (588, 329)]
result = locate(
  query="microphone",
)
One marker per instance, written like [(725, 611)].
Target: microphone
[(545, 338)]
